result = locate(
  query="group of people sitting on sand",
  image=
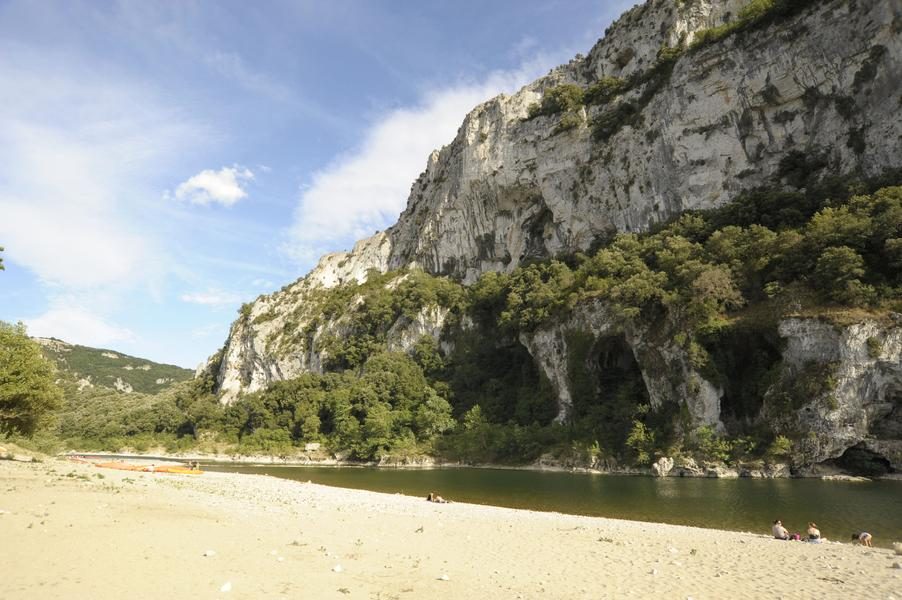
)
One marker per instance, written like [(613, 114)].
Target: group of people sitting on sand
[(433, 497), (813, 534)]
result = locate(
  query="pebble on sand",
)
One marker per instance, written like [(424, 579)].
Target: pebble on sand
[(337, 569), (226, 587), (210, 553), (444, 577)]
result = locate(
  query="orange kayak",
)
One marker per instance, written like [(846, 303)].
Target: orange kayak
[(122, 466)]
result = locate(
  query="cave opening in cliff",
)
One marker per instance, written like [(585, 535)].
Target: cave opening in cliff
[(859, 460), (746, 361), (608, 390), (501, 377)]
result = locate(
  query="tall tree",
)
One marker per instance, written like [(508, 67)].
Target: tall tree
[(28, 394)]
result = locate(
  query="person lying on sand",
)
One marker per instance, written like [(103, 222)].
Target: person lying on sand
[(864, 538), (433, 497)]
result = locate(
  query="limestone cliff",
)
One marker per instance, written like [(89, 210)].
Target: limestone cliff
[(824, 84), (683, 126), (861, 407), (667, 375)]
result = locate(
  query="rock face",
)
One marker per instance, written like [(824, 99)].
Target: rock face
[(508, 189), (774, 104), (662, 467), (665, 369), (862, 405), (280, 337)]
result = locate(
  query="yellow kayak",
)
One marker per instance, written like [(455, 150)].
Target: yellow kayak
[(177, 469)]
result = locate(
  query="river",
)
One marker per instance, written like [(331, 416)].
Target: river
[(838, 507)]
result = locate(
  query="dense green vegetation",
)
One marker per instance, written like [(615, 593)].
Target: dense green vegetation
[(713, 283), (104, 367), (28, 395)]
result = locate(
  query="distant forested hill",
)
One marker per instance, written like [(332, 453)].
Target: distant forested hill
[(106, 368)]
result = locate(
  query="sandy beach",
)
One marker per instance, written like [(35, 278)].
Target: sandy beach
[(76, 531)]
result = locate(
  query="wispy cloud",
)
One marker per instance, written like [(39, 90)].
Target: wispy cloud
[(214, 331), (262, 284), (73, 146), (77, 325), (367, 188), (235, 69), (212, 298), (225, 186)]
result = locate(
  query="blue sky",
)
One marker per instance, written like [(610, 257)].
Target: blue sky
[(163, 162)]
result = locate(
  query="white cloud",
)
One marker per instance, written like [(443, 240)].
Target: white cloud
[(223, 186), (215, 330), (263, 284), (366, 190), (211, 298), (77, 153), (69, 246), (76, 325)]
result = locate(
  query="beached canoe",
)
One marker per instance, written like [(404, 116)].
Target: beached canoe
[(123, 466), (179, 470)]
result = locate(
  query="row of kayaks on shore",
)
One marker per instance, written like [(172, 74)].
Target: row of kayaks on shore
[(124, 466)]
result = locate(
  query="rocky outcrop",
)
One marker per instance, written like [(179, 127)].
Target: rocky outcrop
[(861, 405), (662, 467), (281, 336), (343, 267), (122, 386), (665, 368)]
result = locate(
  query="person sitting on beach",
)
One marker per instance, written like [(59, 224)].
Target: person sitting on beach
[(780, 532), (433, 497), (814, 534), (864, 538)]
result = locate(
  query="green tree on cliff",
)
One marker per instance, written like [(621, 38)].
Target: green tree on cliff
[(28, 394)]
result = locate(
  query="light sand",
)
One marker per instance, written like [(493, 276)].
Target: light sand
[(65, 533)]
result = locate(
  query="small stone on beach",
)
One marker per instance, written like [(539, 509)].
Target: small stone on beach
[(209, 553), (444, 578), (337, 569), (226, 587)]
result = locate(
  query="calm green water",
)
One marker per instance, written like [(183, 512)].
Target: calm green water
[(839, 508)]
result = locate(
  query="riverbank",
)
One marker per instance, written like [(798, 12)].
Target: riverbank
[(684, 469), (80, 531)]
